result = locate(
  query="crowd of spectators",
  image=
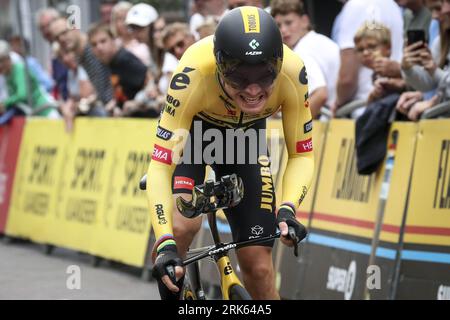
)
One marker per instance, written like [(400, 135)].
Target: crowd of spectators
[(122, 66)]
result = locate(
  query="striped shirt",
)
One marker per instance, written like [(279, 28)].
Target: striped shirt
[(99, 75)]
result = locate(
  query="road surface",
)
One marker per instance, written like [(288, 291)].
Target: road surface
[(27, 273)]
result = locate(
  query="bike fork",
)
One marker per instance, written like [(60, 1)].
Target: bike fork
[(193, 272)]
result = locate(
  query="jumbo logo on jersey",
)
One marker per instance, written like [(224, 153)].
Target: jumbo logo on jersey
[(162, 155), (181, 81), (305, 146), (171, 104), (266, 184)]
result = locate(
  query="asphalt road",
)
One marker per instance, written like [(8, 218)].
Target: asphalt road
[(26, 273)]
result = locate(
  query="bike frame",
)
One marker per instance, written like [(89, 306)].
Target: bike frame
[(219, 252)]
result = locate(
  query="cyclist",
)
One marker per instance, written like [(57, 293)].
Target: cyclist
[(228, 85)]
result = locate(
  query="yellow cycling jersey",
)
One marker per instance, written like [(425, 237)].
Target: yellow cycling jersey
[(195, 91)]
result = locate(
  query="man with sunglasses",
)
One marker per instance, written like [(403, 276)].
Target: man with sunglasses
[(177, 38), (70, 38), (226, 86)]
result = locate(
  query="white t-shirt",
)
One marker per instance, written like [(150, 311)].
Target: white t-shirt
[(73, 81), (169, 66), (316, 78), (327, 55), (353, 15), (197, 20)]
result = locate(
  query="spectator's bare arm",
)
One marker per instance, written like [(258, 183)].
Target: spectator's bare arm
[(348, 77), (407, 100), (317, 100), (418, 108)]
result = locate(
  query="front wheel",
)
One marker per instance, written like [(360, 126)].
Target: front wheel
[(238, 292)]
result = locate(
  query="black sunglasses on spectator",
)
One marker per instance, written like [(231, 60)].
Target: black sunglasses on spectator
[(133, 27), (179, 44)]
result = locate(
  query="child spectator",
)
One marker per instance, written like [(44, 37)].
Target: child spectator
[(373, 41)]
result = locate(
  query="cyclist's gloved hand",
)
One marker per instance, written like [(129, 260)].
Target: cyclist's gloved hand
[(286, 220), (167, 267)]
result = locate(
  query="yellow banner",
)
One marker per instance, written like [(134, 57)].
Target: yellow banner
[(37, 189), (125, 226), (80, 190), (401, 174), (346, 201), (428, 219)]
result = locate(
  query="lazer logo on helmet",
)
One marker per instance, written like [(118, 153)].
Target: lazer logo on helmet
[(162, 155), (254, 45)]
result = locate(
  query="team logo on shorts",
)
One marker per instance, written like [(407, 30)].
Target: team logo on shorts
[(257, 230)]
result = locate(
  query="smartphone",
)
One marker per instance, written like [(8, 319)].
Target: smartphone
[(414, 36)]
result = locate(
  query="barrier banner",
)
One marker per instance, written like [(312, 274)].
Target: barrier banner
[(289, 267), (381, 272), (37, 191), (339, 245), (10, 140), (425, 256), (81, 190), (125, 224)]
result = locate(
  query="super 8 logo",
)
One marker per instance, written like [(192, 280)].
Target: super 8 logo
[(162, 155)]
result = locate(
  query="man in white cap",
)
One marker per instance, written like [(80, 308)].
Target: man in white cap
[(139, 19)]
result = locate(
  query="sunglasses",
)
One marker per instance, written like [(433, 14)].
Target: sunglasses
[(133, 28), (65, 31), (240, 78), (180, 44)]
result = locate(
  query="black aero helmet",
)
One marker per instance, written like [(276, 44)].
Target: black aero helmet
[(247, 36)]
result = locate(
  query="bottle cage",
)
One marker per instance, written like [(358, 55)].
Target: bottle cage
[(212, 196)]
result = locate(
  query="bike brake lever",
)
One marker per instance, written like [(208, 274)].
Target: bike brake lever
[(171, 273), (293, 236)]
